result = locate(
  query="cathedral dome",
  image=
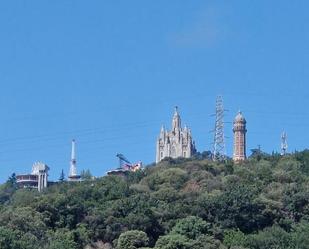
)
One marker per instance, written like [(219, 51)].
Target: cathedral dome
[(240, 118)]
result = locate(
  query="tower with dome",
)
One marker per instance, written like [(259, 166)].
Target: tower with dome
[(240, 130)]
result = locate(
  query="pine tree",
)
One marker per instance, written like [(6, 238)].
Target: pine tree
[(62, 177)]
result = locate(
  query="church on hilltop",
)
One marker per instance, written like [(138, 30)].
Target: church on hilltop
[(175, 143)]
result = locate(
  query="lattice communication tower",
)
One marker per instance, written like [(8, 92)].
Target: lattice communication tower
[(284, 143), (219, 150)]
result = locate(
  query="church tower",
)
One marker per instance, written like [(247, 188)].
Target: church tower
[(239, 129), (176, 124), (175, 143)]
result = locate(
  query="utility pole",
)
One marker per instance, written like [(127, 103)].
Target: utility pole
[(284, 143), (219, 150)]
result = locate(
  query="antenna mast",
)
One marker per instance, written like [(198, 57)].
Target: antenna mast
[(284, 143), (73, 170), (219, 150)]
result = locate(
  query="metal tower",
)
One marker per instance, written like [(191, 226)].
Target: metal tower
[(284, 143), (73, 170), (219, 150)]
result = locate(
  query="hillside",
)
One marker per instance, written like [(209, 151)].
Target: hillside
[(195, 203)]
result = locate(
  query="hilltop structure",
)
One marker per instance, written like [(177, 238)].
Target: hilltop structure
[(240, 130), (219, 151), (175, 143), (73, 176), (284, 143), (38, 179), (125, 167)]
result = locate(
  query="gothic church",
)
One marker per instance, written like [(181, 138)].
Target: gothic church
[(175, 143)]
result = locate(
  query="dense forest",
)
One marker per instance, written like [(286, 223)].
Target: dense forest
[(262, 203)]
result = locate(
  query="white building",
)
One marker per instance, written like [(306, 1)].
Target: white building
[(175, 143), (38, 178)]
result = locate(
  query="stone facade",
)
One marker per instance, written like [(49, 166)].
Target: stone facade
[(175, 143), (239, 129)]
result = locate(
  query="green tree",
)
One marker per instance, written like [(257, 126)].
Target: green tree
[(270, 238), (63, 239), (86, 175), (8, 189), (300, 238), (12, 181), (24, 219), (132, 239), (62, 176), (206, 242), (14, 239), (234, 238), (173, 241), (191, 227)]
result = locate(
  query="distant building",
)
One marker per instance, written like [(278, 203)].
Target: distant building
[(38, 179), (240, 130), (125, 166), (125, 169), (175, 143)]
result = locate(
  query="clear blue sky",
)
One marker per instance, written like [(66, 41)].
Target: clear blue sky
[(108, 73)]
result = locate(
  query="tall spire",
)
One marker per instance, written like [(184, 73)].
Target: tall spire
[(176, 125), (73, 169), (176, 110)]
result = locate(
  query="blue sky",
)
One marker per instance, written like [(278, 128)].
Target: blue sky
[(108, 73)]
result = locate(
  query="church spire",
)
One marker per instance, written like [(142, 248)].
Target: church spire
[(176, 125), (162, 132), (176, 110)]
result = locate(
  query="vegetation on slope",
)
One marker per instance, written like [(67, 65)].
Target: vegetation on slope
[(178, 204)]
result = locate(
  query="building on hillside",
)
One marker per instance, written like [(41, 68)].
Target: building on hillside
[(38, 179), (240, 130), (73, 176), (125, 166), (175, 143), (125, 169)]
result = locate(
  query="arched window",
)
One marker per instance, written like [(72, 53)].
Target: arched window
[(173, 152)]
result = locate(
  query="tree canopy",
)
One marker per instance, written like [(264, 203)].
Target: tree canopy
[(178, 203)]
